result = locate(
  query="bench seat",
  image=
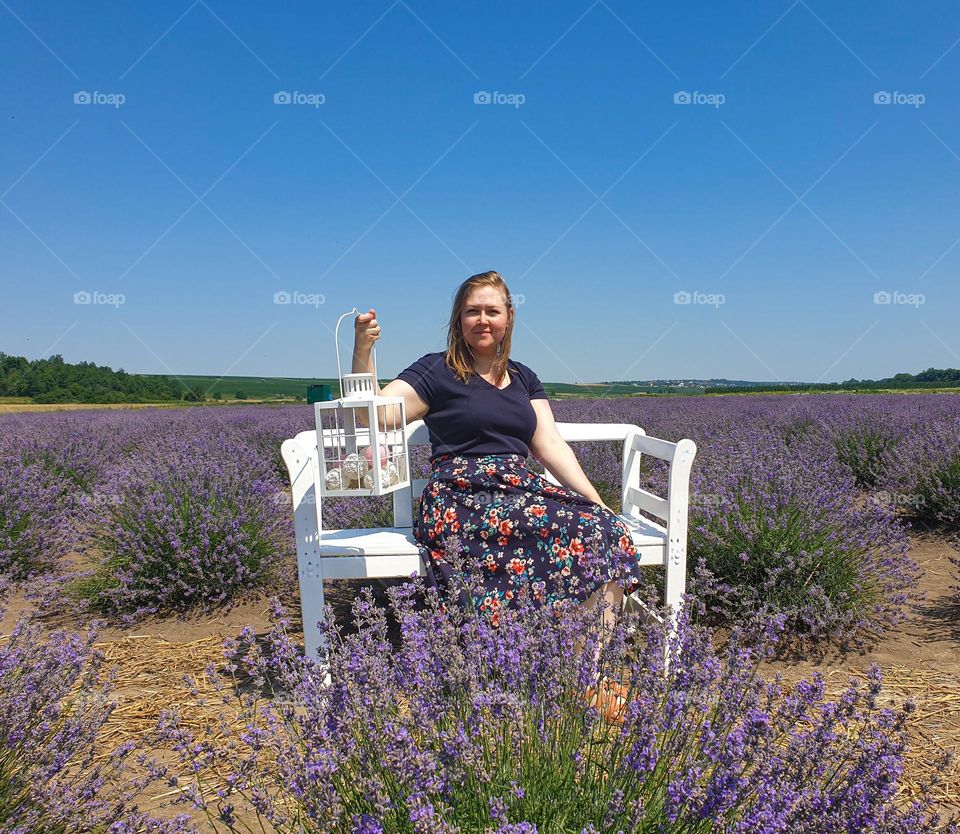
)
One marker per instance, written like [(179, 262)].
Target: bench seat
[(383, 544)]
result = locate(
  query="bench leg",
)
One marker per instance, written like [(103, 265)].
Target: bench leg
[(311, 606), (633, 603), (675, 588)]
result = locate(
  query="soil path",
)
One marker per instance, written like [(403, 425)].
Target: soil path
[(920, 661)]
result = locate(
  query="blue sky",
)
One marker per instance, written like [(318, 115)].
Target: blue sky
[(777, 165)]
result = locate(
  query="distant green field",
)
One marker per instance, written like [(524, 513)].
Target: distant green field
[(256, 387), (267, 388)]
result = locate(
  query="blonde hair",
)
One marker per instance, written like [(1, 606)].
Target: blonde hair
[(459, 357)]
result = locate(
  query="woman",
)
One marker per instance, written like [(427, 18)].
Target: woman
[(485, 414)]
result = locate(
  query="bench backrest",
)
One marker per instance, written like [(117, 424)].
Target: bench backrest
[(300, 455)]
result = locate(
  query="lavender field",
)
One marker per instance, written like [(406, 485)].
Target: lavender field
[(807, 517)]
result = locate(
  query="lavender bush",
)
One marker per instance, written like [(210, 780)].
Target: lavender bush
[(30, 518), (784, 531), (76, 451), (939, 489), (54, 776), (467, 727), (897, 448), (193, 522), (936, 472), (868, 448)]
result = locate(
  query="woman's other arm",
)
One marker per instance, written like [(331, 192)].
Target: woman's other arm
[(548, 447)]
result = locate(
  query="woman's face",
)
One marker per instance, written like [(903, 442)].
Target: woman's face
[(484, 320)]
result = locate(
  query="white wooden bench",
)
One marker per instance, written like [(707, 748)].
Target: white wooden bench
[(392, 551)]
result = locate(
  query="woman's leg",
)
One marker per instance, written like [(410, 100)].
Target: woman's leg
[(608, 696), (612, 594)]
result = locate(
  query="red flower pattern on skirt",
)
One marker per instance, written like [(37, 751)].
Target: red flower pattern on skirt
[(516, 525)]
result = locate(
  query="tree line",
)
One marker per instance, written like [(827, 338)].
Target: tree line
[(930, 378), (54, 381)]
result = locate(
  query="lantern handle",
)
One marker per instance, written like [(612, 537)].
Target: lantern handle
[(336, 340)]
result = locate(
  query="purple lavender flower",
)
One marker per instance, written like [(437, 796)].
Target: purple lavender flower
[(785, 532), (195, 521), (463, 726), (54, 775)]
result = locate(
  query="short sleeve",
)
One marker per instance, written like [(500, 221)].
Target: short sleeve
[(421, 376), (535, 387)]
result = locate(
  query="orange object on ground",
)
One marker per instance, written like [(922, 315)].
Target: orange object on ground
[(610, 700)]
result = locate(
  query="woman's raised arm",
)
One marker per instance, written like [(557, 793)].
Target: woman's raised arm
[(366, 333)]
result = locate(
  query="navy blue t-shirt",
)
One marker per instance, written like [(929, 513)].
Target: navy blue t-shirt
[(475, 418)]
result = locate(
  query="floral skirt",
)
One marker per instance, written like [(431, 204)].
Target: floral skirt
[(523, 530)]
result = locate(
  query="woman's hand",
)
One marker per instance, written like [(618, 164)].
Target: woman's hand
[(365, 331), (601, 504)]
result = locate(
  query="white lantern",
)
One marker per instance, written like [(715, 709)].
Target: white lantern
[(361, 437)]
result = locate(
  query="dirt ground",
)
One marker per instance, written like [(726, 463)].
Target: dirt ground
[(920, 660)]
